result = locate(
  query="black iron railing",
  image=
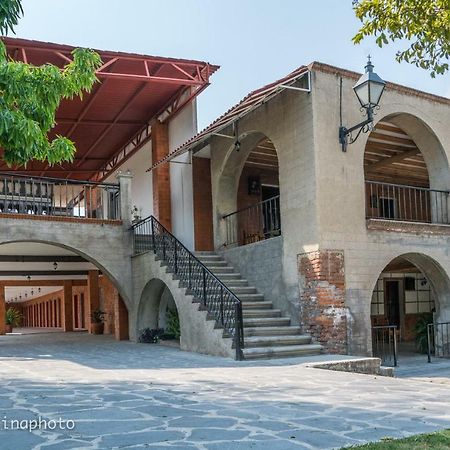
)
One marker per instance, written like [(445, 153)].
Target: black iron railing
[(253, 223), (406, 203), (438, 340), (20, 194), (384, 344), (207, 289)]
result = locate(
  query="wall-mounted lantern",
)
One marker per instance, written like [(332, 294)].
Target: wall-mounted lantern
[(368, 90)]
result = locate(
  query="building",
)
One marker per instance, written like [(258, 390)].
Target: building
[(265, 236)]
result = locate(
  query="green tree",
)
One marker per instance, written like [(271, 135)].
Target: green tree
[(423, 24), (30, 96)]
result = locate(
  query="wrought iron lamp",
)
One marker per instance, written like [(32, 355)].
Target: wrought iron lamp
[(368, 89)]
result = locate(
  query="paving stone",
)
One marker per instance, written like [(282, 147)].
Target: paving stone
[(147, 437), (216, 434), (163, 398)]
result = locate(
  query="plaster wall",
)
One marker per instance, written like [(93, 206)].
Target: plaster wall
[(261, 263), (141, 186), (182, 128)]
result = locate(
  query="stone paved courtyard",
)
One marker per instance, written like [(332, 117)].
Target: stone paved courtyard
[(123, 395)]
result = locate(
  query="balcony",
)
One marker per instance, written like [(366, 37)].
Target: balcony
[(25, 197), (402, 203), (254, 223)]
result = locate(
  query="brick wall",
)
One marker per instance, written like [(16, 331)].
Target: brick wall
[(323, 313), (161, 175), (108, 297), (203, 222)]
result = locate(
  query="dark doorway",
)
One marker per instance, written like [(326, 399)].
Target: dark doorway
[(392, 292)]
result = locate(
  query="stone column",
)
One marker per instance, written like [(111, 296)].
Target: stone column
[(125, 197), (93, 297), (162, 208), (2, 310), (67, 307)]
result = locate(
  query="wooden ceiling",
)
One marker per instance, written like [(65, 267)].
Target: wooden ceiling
[(400, 265), (263, 156), (392, 156)]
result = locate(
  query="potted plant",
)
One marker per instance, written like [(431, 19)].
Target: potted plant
[(135, 214), (12, 319), (97, 321)]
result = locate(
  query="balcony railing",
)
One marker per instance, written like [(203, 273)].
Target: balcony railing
[(406, 203), (253, 223), (20, 194)]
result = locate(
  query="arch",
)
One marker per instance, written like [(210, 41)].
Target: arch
[(254, 162), (405, 170), (408, 287), (84, 255), (102, 292), (155, 301)]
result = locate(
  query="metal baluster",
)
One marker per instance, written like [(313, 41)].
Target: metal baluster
[(204, 286)]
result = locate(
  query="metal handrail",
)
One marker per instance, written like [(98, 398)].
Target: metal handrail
[(150, 235), (385, 352), (57, 180), (251, 206), (435, 340), (408, 186)]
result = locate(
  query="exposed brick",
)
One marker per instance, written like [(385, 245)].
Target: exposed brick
[(323, 313)]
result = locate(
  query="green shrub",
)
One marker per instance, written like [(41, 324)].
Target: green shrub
[(173, 323)]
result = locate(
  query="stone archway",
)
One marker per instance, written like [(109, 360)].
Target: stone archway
[(58, 286), (412, 287), (156, 306), (406, 172), (249, 176)]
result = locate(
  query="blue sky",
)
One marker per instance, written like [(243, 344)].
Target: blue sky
[(254, 41)]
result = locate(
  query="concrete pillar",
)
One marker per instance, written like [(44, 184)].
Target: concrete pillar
[(2, 310), (93, 296), (162, 209), (67, 309), (120, 319), (126, 205)]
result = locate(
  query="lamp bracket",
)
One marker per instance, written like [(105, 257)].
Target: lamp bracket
[(345, 134)]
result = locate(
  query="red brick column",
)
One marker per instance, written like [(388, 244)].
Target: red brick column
[(161, 175), (323, 313), (93, 296), (67, 307), (120, 319), (2, 310)]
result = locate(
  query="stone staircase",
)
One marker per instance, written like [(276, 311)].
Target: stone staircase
[(267, 334)]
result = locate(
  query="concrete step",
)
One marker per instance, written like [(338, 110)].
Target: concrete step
[(266, 322), (228, 276), (257, 305), (271, 331), (251, 297), (236, 283), (277, 341), (281, 352), (242, 290), (256, 313), (214, 263), (219, 270)]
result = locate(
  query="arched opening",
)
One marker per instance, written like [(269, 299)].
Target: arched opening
[(406, 172), (49, 287), (158, 317), (252, 188), (411, 292)]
